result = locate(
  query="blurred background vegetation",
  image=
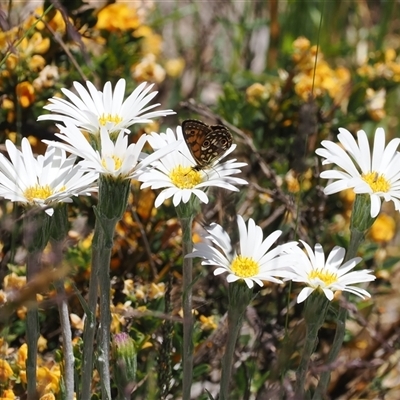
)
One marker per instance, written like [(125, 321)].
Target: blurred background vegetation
[(282, 76)]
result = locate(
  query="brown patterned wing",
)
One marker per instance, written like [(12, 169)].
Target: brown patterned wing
[(194, 133), (205, 142)]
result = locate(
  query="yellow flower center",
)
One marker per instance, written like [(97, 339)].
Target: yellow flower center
[(378, 183), (327, 277), (38, 192), (185, 177), (245, 267), (116, 119), (117, 162)]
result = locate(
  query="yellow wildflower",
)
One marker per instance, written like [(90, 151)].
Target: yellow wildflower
[(148, 70), (117, 17), (22, 355), (255, 93), (13, 282), (48, 396), (25, 93), (207, 323), (6, 371), (174, 67), (48, 381), (383, 229), (156, 290), (7, 394), (41, 344)]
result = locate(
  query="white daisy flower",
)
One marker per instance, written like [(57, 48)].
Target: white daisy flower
[(92, 109), (43, 181), (176, 172), (115, 159), (254, 263), (377, 175), (329, 276)]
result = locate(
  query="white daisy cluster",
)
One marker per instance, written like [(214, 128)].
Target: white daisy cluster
[(106, 117), (256, 262), (43, 181)]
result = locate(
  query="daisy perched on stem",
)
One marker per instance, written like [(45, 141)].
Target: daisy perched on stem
[(117, 159), (177, 174), (91, 109), (43, 181), (376, 174), (329, 275), (254, 263)]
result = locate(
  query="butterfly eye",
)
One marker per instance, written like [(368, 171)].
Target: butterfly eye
[(223, 142), (206, 143)]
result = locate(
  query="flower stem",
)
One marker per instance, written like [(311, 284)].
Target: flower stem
[(36, 236), (32, 327), (68, 353), (239, 298), (103, 247), (360, 222), (90, 327), (187, 352), (113, 198), (314, 314), (356, 238), (59, 230)]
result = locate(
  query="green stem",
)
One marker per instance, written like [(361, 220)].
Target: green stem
[(90, 324), (103, 248), (361, 221), (113, 198), (36, 235), (187, 353), (32, 327), (314, 314), (68, 352), (239, 298), (356, 237)]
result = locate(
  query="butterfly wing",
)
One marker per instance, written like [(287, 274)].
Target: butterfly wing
[(205, 142), (217, 142)]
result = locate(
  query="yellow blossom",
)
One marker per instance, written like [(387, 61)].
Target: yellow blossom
[(76, 321), (375, 103), (13, 282), (12, 62), (156, 290), (21, 312), (48, 380), (207, 323), (117, 17), (255, 93), (22, 355), (41, 344), (38, 44), (174, 67), (390, 55), (3, 297), (6, 371), (301, 43), (151, 44), (128, 287), (7, 394), (147, 70), (37, 63), (48, 396), (25, 93), (383, 229), (292, 182)]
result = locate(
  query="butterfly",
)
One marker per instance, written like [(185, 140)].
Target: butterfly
[(205, 142)]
